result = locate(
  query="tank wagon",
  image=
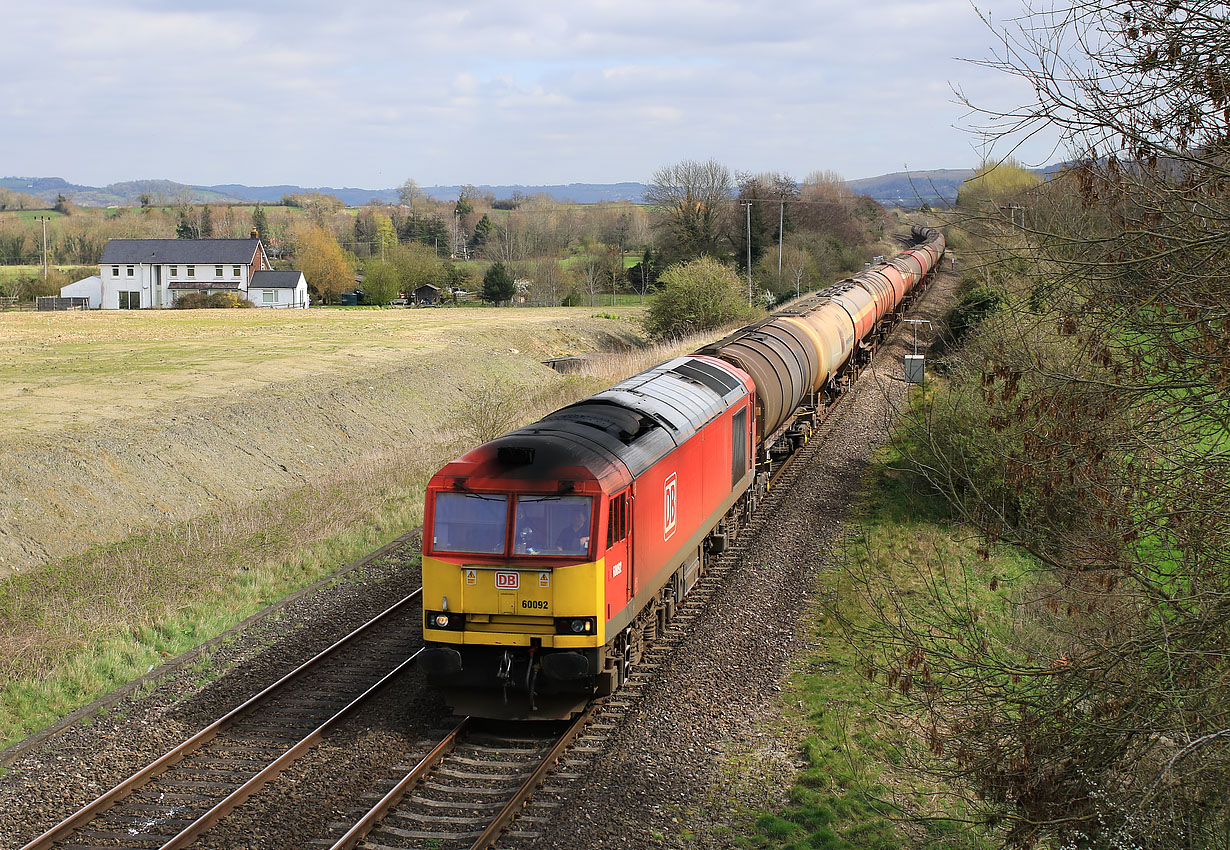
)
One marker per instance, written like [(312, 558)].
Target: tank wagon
[(554, 554)]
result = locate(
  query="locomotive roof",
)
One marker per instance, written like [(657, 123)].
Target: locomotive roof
[(614, 435)]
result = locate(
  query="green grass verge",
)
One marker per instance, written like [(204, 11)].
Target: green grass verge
[(860, 786), (76, 629)]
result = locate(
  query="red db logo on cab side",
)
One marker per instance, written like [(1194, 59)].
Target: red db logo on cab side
[(669, 506)]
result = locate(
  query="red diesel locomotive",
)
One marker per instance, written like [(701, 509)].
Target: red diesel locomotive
[(548, 551), (553, 554)]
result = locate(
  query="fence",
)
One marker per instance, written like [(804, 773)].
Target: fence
[(52, 302)]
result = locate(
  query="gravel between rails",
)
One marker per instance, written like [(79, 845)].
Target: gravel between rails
[(706, 738), (47, 783)]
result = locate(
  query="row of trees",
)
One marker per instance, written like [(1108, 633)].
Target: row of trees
[(796, 236)]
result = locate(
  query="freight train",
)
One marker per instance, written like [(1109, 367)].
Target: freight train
[(554, 554)]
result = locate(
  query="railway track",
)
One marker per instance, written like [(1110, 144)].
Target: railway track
[(467, 790), (181, 795)]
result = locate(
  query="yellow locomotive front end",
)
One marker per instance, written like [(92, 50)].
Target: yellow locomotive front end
[(513, 582)]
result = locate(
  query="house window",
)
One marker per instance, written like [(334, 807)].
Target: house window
[(174, 270), (191, 271), (130, 300), (217, 271), (270, 296), (130, 271), (234, 271)]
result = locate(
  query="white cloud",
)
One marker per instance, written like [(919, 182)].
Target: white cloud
[(369, 92)]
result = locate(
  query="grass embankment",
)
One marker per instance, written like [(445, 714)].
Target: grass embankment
[(72, 630), (861, 786)]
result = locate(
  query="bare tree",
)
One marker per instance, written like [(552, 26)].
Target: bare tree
[(692, 201)]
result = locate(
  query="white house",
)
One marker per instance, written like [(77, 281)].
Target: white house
[(278, 289), (144, 273)]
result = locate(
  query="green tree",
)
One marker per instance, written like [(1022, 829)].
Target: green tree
[(186, 226), (482, 232), (697, 296), (385, 234), (465, 202), (416, 265), (381, 282), (498, 284), (206, 227), (260, 222)]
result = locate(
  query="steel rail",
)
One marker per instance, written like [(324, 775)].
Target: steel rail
[(531, 784), (106, 800), (373, 816), (271, 771)]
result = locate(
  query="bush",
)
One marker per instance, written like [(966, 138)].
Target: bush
[(697, 296), (214, 300)]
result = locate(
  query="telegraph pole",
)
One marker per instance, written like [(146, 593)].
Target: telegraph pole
[(749, 253), (781, 221), (44, 219)]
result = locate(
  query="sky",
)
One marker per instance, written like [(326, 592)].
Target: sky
[(368, 94)]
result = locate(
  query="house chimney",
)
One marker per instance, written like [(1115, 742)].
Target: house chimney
[(255, 234)]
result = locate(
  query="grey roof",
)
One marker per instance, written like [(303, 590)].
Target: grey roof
[(179, 250), (275, 280)]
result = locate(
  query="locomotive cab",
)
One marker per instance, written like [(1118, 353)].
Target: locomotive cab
[(514, 559)]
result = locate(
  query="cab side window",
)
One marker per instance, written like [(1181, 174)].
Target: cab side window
[(617, 520)]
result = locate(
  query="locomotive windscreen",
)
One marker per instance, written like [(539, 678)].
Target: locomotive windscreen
[(552, 525), (470, 522)]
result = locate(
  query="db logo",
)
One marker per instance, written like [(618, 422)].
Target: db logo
[(508, 581), (669, 506)]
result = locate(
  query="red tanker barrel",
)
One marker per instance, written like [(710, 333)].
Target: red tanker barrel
[(880, 289), (911, 267), (896, 279)]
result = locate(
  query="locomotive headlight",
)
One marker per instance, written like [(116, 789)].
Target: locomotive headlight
[(442, 621), (575, 625)]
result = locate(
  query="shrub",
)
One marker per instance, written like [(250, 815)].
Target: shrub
[(215, 300), (697, 296)]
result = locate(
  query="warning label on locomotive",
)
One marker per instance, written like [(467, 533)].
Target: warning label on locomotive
[(507, 581)]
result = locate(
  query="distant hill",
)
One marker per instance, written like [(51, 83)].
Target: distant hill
[(164, 192), (937, 188), (911, 189)]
